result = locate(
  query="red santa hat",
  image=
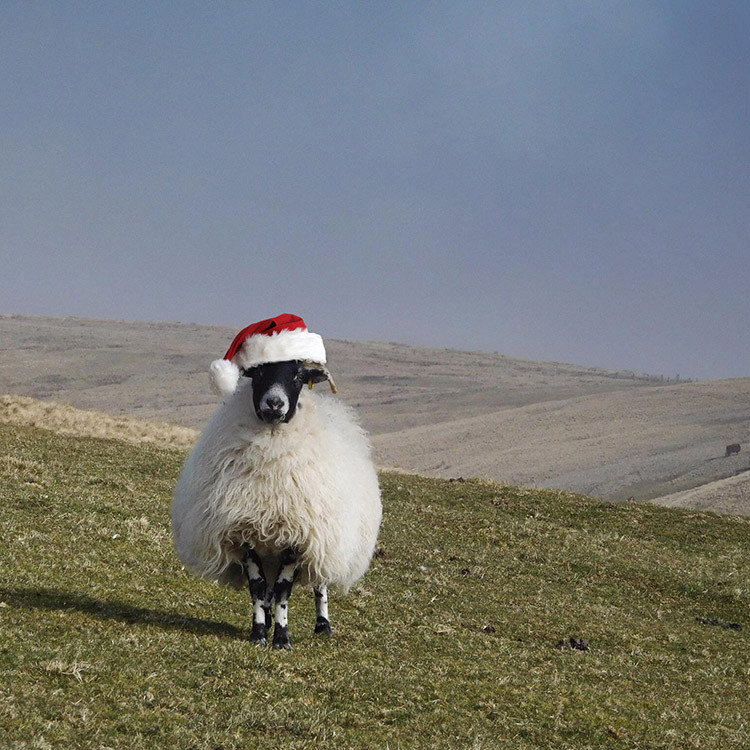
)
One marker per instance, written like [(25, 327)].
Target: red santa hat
[(277, 339)]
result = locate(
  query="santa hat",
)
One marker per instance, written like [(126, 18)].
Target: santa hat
[(277, 339)]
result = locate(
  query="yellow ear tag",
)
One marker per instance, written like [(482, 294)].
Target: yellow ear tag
[(310, 384)]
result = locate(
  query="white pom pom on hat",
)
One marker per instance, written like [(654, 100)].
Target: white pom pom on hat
[(223, 376), (276, 339)]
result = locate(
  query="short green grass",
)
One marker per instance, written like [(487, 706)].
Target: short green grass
[(450, 641)]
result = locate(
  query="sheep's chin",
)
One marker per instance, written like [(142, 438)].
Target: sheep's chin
[(271, 418)]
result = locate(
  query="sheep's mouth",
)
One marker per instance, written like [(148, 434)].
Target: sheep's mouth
[(271, 416)]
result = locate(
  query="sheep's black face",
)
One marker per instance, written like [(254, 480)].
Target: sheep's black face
[(276, 388)]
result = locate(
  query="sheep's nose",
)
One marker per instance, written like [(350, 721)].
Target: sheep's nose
[(273, 406), (274, 403)]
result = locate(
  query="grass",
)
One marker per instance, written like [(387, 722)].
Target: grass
[(450, 641), (67, 420)]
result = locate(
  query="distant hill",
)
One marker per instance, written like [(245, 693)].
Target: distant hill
[(160, 371), (730, 495), (440, 412), (639, 443)]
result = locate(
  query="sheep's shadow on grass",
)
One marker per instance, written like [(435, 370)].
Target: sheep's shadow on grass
[(51, 599)]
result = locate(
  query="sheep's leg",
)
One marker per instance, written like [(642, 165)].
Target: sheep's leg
[(322, 624), (268, 602), (282, 590), (258, 590)]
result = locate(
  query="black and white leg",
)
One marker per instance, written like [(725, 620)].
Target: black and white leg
[(267, 604), (258, 590), (282, 590), (322, 623)]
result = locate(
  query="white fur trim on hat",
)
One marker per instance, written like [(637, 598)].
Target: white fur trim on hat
[(279, 347), (223, 376)]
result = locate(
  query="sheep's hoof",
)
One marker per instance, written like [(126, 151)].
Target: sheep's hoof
[(323, 626), (259, 634), (281, 637)]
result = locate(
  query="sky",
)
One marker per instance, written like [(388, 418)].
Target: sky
[(562, 180)]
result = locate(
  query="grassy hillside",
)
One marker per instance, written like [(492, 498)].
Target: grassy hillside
[(452, 640)]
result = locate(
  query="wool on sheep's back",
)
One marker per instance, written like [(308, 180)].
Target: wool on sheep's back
[(309, 484)]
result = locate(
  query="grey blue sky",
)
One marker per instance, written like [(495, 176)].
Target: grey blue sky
[(561, 180)]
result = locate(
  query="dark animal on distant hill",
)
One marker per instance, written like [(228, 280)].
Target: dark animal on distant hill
[(733, 449)]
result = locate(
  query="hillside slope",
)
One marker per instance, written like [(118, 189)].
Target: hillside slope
[(67, 420), (642, 443), (460, 635), (730, 495), (160, 371), (437, 411)]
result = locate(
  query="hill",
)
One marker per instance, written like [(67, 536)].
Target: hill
[(493, 617), (728, 495), (159, 371), (642, 443), (440, 412)]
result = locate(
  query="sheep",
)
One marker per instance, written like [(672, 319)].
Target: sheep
[(733, 449), (280, 488)]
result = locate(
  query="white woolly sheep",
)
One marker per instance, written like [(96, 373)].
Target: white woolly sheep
[(280, 487)]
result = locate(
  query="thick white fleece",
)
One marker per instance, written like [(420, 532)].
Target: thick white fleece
[(309, 484)]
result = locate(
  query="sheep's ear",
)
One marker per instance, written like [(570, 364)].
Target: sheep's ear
[(317, 374)]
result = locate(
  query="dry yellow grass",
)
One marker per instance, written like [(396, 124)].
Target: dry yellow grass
[(60, 418)]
